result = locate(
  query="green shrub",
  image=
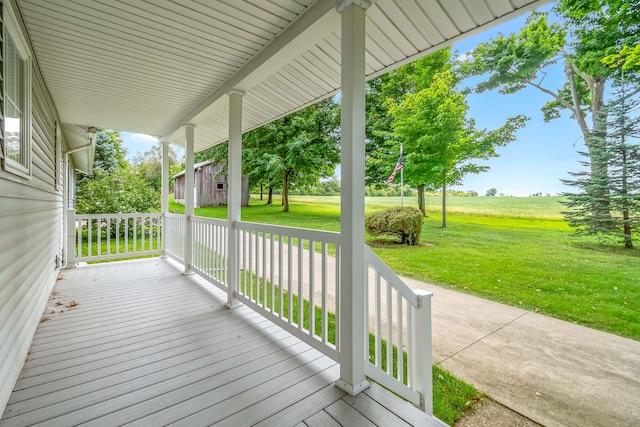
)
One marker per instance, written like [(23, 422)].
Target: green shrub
[(404, 223)]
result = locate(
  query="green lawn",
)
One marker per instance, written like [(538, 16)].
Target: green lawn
[(513, 250)]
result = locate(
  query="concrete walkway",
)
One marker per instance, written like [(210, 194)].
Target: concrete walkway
[(549, 371)]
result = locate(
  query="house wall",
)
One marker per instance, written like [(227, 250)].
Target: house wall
[(30, 229)]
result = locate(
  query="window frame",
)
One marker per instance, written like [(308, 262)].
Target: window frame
[(12, 29)]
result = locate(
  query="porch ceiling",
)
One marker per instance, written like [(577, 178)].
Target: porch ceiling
[(153, 66)]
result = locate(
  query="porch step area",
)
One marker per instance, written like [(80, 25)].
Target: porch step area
[(137, 343)]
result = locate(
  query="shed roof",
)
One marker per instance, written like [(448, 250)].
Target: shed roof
[(195, 167)]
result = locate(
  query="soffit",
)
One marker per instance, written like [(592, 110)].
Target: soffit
[(152, 66)]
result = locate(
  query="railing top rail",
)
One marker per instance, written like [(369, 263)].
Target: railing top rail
[(121, 216), (206, 220), (392, 277), (300, 233), (173, 215)]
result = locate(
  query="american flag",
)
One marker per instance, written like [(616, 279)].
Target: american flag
[(399, 166)]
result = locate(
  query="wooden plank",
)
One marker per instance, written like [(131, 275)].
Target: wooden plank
[(212, 404), (298, 411), (405, 410), (347, 416), (321, 419), (266, 407), (377, 413)]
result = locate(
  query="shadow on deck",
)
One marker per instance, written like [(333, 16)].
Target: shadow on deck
[(147, 346)]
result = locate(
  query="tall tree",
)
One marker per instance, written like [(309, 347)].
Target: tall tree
[(149, 165), (381, 149), (588, 31), (296, 149), (114, 187), (621, 187), (440, 143)]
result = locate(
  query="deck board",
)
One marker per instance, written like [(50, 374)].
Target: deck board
[(148, 346)]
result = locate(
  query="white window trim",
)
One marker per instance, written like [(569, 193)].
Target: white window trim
[(12, 27)]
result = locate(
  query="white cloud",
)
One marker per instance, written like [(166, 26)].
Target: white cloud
[(140, 137), (464, 57)]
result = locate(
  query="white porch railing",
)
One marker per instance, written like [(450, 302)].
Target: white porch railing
[(292, 277), (399, 326), (287, 275), (102, 237), (210, 249), (174, 236)]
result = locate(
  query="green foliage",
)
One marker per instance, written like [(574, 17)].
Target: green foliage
[(492, 192), (120, 191), (403, 223), (516, 60), (600, 28), (382, 150), (109, 153), (609, 205), (113, 187), (296, 149), (590, 36), (628, 58), (149, 165), (377, 190)]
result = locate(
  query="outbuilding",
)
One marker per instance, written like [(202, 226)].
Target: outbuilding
[(210, 185)]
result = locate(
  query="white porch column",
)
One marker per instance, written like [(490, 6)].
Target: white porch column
[(165, 193), (189, 198), (70, 238), (352, 275), (234, 191)]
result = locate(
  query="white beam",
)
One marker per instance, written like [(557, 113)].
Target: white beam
[(189, 133), (352, 332), (234, 191)]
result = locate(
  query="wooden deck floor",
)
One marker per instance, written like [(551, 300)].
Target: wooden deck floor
[(137, 343)]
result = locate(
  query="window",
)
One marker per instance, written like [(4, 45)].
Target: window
[(17, 97), (221, 186)]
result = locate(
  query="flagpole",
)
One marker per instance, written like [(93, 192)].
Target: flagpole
[(401, 180)]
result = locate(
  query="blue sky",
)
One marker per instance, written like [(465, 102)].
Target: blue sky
[(542, 154)]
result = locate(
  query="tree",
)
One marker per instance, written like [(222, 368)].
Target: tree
[(109, 152), (588, 32), (296, 149), (440, 143), (114, 187), (381, 149), (621, 187), (492, 192), (149, 165), (118, 191)]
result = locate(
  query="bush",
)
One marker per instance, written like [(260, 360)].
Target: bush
[(404, 223)]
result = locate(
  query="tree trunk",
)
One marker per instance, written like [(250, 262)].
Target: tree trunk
[(421, 199), (270, 196), (444, 204), (594, 138), (260, 191), (628, 242), (285, 192)]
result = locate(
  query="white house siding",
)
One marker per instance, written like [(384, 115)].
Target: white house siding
[(30, 218)]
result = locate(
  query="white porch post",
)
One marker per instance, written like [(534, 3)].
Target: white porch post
[(188, 196), (165, 193), (352, 275), (234, 191), (422, 350), (70, 249)]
